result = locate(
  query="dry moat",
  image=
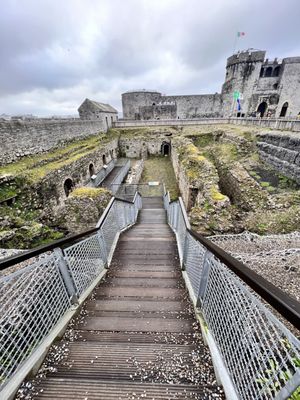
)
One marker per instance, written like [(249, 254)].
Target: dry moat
[(226, 175)]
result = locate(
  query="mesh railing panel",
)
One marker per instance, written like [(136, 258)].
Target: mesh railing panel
[(32, 301), (110, 228), (85, 262), (35, 298), (193, 261), (181, 228), (260, 353), (275, 257)]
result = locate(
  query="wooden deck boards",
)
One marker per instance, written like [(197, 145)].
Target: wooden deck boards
[(133, 319)]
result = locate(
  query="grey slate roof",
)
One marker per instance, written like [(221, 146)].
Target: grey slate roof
[(99, 106)]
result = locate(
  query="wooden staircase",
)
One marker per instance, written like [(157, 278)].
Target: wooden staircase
[(136, 337)]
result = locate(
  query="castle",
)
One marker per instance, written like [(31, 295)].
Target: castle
[(254, 86)]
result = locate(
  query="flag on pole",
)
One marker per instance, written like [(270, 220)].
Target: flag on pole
[(239, 34)]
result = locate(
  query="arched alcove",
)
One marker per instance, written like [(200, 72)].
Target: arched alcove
[(261, 72), (91, 169), (269, 71), (276, 71), (68, 186), (284, 109), (104, 159), (262, 108), (165, 149)]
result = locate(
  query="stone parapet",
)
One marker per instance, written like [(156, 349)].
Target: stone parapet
[(23, 138)]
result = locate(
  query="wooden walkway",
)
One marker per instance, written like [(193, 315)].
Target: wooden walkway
[(110, 177), (137, 338)]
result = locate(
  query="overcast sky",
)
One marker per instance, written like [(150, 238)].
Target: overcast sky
[(55, 53)]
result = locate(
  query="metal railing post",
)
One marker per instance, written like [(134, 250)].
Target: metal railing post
[(185, 251), (66, 276), (102, 246), (203, 278), (176, 216)]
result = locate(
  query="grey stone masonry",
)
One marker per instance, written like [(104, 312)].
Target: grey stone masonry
[(22, 138), (253, 86), (281, 151)]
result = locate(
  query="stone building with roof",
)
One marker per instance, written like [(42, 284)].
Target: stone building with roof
[(93, 110)]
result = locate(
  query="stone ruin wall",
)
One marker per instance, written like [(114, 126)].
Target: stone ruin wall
[(141, 147), (50, 190), (182, 179), (24, 138), (282, 152)]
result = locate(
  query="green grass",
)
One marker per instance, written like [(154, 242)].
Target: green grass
[(264, 184), (160, 169), (204, 140), (36, 167)]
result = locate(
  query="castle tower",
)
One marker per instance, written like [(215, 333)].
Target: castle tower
[(242, 74), (289, 88), (133, 100)]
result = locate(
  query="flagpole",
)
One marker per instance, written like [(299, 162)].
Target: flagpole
[(235, 42)]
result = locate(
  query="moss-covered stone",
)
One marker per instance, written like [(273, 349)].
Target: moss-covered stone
[(83, 208), (36, 167), (89, 192)]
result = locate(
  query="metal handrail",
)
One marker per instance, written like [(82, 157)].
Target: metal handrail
[(287, 306), (256, 354), (26, 255), (38, 300)]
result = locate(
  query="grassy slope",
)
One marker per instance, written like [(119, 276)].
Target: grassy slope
[(160, 169), (36, 167)]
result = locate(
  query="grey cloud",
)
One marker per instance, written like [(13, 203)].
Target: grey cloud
[(64, 51)]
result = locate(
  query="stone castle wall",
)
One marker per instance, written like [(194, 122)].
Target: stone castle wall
[(22, 138), (262, 86), (197, 106), (154, 105), (282, 152)]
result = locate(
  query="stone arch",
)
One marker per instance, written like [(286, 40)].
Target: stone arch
[(276, 71), (166, 149), (68, 186), (262, 108), (104, 159), (261, 72), (284, 109), (91, 169), (269, 71)]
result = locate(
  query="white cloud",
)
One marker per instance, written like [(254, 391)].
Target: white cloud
[(54, 53)]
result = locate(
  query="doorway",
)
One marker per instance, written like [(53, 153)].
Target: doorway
[(68, 186), (165, 149), (262, 108), (91, 169), (284, 109)]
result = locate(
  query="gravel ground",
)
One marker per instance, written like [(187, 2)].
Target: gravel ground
[(4, 253), (274, 257)]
